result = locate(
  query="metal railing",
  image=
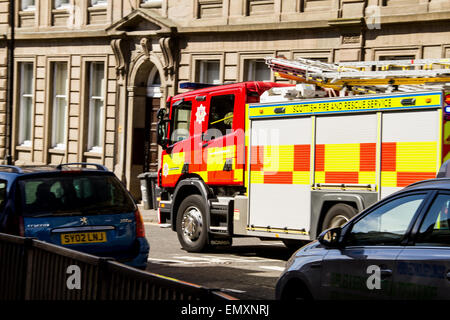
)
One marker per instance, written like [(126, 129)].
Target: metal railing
[(35, 270)]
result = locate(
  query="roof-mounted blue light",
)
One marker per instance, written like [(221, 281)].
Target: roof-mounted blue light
[(195, 85)]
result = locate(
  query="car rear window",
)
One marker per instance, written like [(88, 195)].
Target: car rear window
[(74, 195)]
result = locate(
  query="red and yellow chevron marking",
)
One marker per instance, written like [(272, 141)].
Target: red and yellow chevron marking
[(353, 163), (207, 163), (280, 164), (402, 163)]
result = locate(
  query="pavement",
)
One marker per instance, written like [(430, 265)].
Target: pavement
[(149, 215)]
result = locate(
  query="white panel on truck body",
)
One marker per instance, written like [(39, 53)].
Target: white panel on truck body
[(278, 205)]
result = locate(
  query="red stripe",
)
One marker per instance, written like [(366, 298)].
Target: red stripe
[(367, 157), (220, 176), (302, 155), (406, 178), (198, 163), (341, 177), (170, 179), (388, 156), (320, 157), (278, 177)]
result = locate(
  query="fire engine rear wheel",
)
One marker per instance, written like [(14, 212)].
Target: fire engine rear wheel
[(191, 224), (338, 215)]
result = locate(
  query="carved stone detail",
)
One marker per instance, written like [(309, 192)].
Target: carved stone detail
[(169, 52), (121, 66), (146, 47)]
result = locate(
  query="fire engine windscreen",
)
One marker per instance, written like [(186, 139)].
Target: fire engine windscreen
[(181, 121)]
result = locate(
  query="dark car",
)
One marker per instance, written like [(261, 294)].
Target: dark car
[(73, 206), (399, 248)]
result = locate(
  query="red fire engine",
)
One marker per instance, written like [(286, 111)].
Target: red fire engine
[(279, 161)]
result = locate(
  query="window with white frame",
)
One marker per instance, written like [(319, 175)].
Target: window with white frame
[(96, 106), (59, 110), (256, 70), (27, 5), (208, 71), (26, 103), (99, 3), (61, 4)]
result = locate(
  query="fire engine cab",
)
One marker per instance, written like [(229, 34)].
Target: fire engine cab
[(279, 161)]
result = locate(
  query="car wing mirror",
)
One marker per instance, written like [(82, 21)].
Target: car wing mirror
[(331, 237)]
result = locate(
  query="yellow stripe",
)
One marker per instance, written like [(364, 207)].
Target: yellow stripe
[(216, 157), (175, 162), (416, 156), (367, 177), (276, 230), (257, 177), (342, 157), (319, 177), (388, 179), (301, 177), (353, 105)]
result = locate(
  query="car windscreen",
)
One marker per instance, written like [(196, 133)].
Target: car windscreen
[(74, 194)]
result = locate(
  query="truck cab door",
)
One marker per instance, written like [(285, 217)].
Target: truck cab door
[(223, 143)]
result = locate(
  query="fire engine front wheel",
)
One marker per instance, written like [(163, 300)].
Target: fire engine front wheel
[(338, 215), (191, 227)]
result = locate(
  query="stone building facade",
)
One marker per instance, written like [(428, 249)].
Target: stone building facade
[(86, 77)]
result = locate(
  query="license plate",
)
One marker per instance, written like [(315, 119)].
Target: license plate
[(83, 237)]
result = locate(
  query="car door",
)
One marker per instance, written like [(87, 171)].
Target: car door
[(371, 245), (423, 268)]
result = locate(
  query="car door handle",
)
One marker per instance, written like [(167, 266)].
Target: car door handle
[(385, 273)]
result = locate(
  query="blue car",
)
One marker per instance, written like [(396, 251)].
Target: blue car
[(77, 207)]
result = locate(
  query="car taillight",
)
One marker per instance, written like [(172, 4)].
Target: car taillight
[(140, 228)]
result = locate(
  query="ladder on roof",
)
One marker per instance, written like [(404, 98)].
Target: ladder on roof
[(366, 76)]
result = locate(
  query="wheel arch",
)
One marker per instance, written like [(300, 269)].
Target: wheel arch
[(293, 285), (184, 188), (321, 203)]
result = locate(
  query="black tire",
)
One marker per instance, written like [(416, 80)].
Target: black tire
[(296, 290), (191, 224), (337, 215)]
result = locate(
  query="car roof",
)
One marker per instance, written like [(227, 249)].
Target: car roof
[(11, 170), (438, 183)]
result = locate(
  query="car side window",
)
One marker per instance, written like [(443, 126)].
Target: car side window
[(435, 229), (386, 225)]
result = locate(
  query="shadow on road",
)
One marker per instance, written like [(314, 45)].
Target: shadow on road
[(263, 251), (216, 276)]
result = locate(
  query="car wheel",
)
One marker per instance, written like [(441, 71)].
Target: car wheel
[(191, 224), (338, 215)]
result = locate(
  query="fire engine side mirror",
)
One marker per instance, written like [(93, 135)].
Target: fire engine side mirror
[(162, 128)]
